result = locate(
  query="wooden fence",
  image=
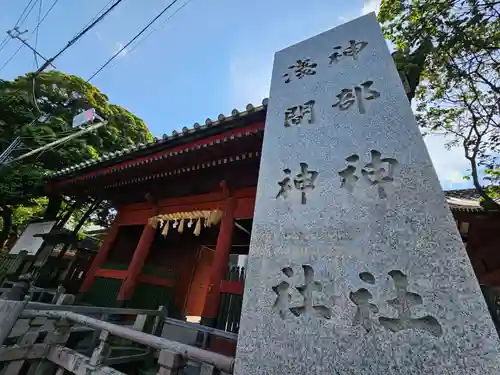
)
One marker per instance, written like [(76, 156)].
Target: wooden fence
[(46, 339)]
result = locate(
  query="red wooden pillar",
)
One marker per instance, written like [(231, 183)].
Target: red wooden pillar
[(135, 267), (220, 261), (100, 258)]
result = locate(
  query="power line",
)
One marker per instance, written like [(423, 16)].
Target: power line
[(22, 14), (69, 44), (159, 27), (45, 16), (35, 30), (11, 57), (27, 14), (4, 43), (133, 39), (40, 3), (93, 18), (7, 39), (78, 36)]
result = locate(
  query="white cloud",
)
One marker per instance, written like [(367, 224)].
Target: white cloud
[(370, 6), (122, 53), (450, 165)]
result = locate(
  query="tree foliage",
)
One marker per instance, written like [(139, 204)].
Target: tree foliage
[(41, 111), (458, 94)]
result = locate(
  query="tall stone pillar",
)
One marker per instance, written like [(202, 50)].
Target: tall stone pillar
[(356, 265)]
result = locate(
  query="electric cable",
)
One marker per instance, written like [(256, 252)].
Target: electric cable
[(133, 39), (159, 27)]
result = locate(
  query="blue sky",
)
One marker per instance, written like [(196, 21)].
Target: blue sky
[(211, 57)]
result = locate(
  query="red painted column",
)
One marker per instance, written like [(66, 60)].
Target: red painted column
[(100, 258), (135, 267), (219, 263)]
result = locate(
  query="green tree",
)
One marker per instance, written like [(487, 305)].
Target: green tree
[(458, 80), (40, 111)]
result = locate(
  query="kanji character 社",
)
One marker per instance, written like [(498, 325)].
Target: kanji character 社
[(306, 290), (403, 303)]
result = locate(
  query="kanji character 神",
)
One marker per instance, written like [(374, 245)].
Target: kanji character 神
[(379, 171), (353, 50), (294, 115), (285, 185), (305, 180), (357, 94), (403, 303), (348, 175), (376, 174), (301, 69)]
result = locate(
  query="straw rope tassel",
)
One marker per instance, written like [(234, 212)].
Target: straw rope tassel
[(165, 228), (197, 229)]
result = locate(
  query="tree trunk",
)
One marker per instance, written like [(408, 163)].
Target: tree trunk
[(7, 225), (487, 203)]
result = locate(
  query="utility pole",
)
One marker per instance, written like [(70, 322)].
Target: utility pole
[(16, 34)]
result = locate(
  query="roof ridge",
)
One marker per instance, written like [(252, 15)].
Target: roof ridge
[(221, 118)]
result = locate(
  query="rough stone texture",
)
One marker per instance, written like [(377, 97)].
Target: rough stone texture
[(347, 237)]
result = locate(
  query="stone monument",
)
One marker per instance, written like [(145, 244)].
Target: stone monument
[(355, 265)]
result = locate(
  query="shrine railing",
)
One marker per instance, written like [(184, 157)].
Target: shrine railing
[(39, 342)]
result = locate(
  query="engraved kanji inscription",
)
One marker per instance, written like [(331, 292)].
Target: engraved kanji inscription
[(300, 69), (361, 298), (285, 185), (281, 305), (364, 308), (353, 50), (357, 94), (299, 114), (303, 181), (403, 303), (307, 291), (379, 172), (348, 175)]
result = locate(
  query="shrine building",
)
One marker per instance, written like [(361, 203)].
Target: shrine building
[(184, 206)]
